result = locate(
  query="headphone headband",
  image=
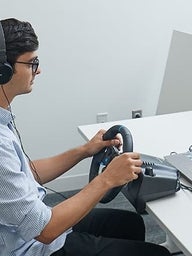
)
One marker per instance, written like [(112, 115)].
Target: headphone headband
[(6, 70)]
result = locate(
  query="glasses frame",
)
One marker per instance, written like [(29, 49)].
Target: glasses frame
[(34, 64)]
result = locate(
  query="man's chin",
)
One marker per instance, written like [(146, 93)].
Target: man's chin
[(26, 92)]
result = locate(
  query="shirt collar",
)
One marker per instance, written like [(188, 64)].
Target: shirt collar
[(5, 116)]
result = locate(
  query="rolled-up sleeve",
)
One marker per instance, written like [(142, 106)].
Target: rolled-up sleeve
[(34, 221), (22, 209)]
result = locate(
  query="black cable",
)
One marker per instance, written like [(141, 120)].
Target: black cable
[(176, 253), (185, 187), (58, 193), (33, 168), (20, 140)]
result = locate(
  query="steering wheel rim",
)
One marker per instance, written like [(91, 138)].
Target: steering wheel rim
[(104, 157)]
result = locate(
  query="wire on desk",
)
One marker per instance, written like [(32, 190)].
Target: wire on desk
[(185, 187), (176, 253)]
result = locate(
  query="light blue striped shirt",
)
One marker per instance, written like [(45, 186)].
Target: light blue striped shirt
[(23, 215)]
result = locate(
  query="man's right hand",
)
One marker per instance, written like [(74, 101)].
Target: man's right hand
[(122, 169)]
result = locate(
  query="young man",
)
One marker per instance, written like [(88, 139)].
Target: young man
[(27, 226)]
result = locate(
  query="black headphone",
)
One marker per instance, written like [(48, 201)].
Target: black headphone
[(6, 70)]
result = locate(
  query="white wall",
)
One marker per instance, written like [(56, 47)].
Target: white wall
[(176, 86), (96, 56)]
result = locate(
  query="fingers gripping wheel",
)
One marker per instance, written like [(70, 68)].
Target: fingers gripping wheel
[(105, 156)]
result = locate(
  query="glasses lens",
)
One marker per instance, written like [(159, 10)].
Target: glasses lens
[(35, 65)]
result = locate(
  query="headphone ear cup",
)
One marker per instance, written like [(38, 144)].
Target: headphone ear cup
[(6, 73)]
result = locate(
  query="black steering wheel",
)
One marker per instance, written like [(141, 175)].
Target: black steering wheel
[(105, 156)]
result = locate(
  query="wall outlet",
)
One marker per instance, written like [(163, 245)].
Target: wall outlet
[(102, 117), (137, 113)]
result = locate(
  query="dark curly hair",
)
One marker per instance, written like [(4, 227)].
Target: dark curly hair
[(20, 38)]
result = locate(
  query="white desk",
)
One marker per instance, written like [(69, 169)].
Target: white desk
[(158, 136)]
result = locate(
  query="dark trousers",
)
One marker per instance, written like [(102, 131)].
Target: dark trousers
[(110, 232)]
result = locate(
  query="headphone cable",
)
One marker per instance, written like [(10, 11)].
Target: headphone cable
[(32, 166)]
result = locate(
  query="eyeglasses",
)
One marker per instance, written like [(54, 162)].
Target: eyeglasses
[(34, 64)]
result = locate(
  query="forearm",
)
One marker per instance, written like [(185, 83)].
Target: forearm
[(52, 167), (72, 210), (120, 171)]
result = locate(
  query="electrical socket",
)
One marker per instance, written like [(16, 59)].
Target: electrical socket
[(137, 113), (102, 117)]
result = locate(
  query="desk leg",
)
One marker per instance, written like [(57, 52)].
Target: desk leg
[(170, 245)]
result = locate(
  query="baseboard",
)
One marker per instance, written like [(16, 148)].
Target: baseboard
[(67, 183)]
